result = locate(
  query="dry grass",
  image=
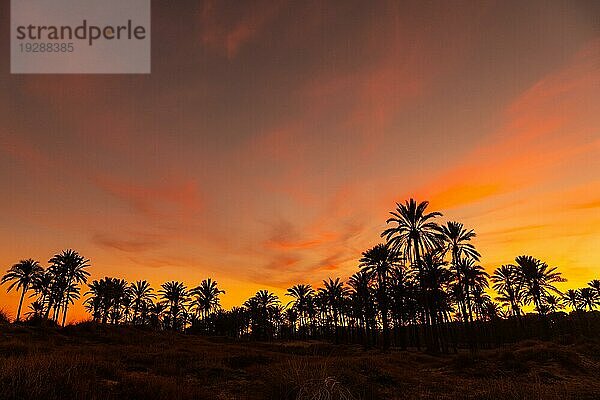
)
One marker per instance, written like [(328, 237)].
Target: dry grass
[(95, 362)]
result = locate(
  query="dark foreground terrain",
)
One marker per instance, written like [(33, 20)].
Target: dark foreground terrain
[(94, 362)]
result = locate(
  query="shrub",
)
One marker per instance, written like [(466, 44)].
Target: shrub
[(4, 319)]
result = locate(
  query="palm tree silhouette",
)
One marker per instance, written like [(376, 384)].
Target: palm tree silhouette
[(302, 300), (22, 275), (36, 310), (455, 239), (507, 284), (595, 284), (206, 297), (259, 307), (42, 288), (434, 279), (69, 270), (537, 279), (474, 279), (415, 232), (571, 299), (141, 295), (588, 298), (333, 295), (362, 301), (381, 261), (552, 303), (175, 294)]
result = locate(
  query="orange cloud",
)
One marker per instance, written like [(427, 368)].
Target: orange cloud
[(545, 128), (164, 198)]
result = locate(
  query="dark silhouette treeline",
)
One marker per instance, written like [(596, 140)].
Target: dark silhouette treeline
[(422, 287)]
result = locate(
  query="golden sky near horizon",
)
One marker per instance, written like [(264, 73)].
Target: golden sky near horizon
[(272, 138)]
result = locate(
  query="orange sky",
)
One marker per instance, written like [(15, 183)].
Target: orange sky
[(270, 141)]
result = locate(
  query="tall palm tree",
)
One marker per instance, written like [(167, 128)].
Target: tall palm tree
[(302, 295), (334, 293), (588, 298), (362, 300), (434, 281), (206, 297), (457, 240), (414, 232), (381, 261), (571, 299), (259, 307), (69, 268), (21, 275), (538, 280), (475, 279), (107, 298), (141, 294), (175, 294), (507, 284), (42, 288)]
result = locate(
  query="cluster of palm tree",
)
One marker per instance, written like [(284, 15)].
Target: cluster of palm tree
[(423, 282), (422, 285), (55, 287), (173, 306), (586, 298)]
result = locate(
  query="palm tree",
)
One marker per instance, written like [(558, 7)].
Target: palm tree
[(21, 275), (362, 300), (42, 288), (381, 261), (259, 307), (141, 295), (537, 279), (475, 279), (121, 298), (36, 310), (107, 298), (207, 297), (175, 294), (595, 284), (334, 294), (434, 281), (456, 240), (156, 313), (415, 232), (571, 299), (507, 284), (588, 298), (552, 303), (302, 295), (69, 268)]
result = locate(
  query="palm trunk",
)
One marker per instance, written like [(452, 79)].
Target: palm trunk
[(65, 308), (21, 303)]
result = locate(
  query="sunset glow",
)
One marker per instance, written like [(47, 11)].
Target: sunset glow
[(270, 142)]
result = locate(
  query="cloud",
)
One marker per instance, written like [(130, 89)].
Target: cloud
[(543, 129), (129, 245), (175, 198)]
